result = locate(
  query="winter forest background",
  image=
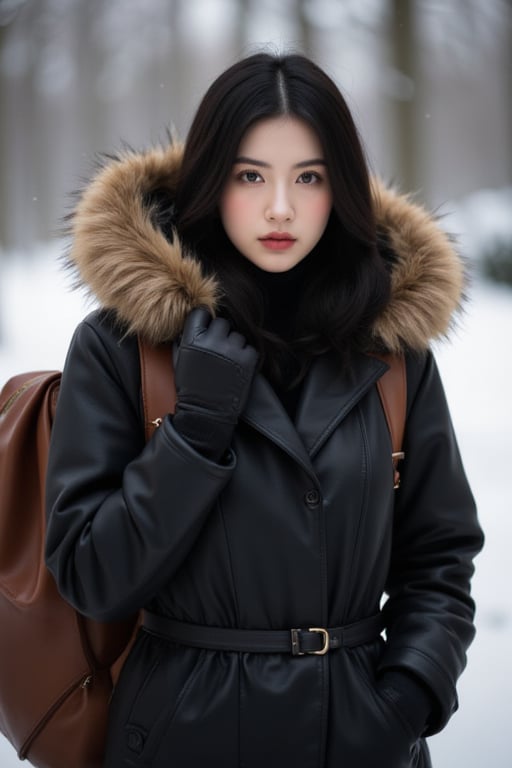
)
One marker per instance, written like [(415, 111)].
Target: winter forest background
[(430, 85)]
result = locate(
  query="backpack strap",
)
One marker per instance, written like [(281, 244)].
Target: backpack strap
[(392, 387), (157, 384)]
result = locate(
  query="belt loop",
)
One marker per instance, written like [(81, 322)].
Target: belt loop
[(295, 643)]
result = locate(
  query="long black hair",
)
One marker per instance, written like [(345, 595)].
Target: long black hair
[(349, 282)]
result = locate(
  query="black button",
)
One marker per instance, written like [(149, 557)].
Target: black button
[(312, 498), (135, 740)]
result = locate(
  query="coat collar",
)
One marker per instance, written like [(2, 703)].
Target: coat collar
[(124, 260), (329, 394)]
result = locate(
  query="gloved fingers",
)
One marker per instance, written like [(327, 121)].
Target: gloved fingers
[(249, 357), (207, 334), (196, 323), (218, 332), (236, 340)]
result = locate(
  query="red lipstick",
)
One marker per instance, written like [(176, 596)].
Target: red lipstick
[(277, 241)]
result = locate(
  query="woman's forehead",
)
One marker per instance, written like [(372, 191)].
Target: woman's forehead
[(283, 137)]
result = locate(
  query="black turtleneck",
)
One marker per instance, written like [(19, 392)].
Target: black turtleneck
[(282, 293)]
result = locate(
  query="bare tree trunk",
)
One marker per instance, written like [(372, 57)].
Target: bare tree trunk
[(41, 132), (243, 12), (4, 151), (403, 47), (176, 66), (507, 77), (16, 150), (4, 184), (23, 141), (305, 28), (89, 113)]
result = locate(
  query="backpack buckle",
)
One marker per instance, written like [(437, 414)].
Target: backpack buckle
[(396, 457)]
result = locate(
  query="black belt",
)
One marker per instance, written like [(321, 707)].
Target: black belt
[(298, 642)]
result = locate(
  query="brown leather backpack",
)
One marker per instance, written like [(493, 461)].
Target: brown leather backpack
[(58, 668)]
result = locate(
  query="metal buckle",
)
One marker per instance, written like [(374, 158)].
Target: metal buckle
[(295, 633), (325, 634), (396, 457)]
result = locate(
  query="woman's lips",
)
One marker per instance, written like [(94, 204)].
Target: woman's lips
[(277, 241)]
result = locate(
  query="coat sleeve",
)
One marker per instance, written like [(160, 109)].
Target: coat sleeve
[(122, 515), (429, 611)]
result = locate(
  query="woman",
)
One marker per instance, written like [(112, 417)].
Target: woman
[(266, 502)]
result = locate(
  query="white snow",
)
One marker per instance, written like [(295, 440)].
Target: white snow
[(38, 315)]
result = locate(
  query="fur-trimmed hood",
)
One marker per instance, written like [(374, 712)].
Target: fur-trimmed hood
[(127, 264)]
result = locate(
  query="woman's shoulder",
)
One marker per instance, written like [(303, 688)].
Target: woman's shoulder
[(422, 375), (102, 362), (103, 340), (104, 326)]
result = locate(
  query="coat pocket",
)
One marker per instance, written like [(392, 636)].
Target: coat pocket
[(387, 740), (153, 682)]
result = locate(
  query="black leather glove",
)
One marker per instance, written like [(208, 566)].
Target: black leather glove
[(409, 696), (213, 371)]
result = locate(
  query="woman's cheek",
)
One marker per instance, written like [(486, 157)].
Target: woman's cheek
[(234, 209), (320, 210)]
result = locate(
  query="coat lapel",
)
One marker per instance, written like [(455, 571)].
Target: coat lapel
[(329, 393), (265, 412)]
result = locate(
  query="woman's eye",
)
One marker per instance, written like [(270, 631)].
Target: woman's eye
[(252, 177), (308, 177)]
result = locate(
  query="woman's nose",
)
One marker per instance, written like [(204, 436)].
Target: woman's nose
[(280, 207)]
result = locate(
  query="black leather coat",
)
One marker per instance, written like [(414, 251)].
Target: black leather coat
[(301, 527)]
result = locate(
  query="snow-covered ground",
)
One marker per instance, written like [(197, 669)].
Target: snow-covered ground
[(38, 315)]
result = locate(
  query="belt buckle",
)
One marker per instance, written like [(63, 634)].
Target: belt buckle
[(295, 633)]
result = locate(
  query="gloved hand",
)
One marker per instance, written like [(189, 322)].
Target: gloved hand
[(213, 372), (409, 696)]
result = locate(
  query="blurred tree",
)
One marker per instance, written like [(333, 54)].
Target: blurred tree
[(306, 30), (3, 147), (507, 76), (177, 64), (407, 74), (8, 10), (41, 122), (84, 123), (19, 56), (242, 12)]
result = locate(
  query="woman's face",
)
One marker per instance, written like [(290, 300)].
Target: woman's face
[(276, 202)]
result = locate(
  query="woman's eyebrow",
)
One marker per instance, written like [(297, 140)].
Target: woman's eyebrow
[(314, 161), (250, 161), (261, 164)]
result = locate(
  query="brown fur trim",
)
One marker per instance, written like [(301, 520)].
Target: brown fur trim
[(427, 277), (129, 266), (124, 260)]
